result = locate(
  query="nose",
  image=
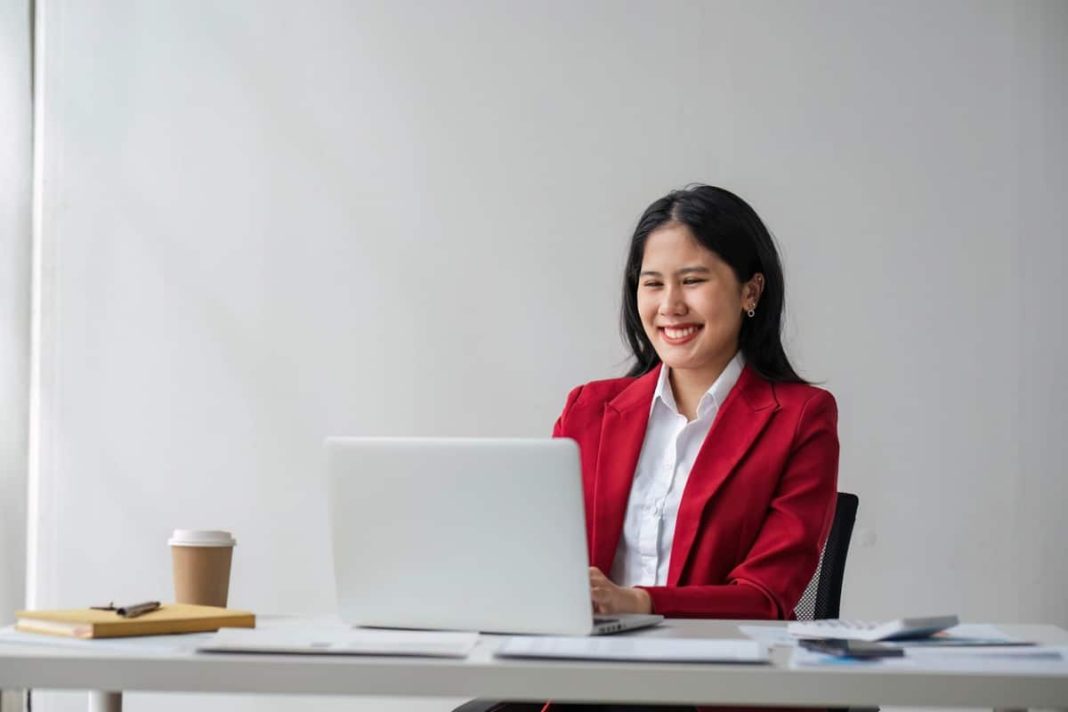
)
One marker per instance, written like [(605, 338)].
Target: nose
[(673, 303)]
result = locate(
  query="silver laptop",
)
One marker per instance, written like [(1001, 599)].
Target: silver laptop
[(463, 534)]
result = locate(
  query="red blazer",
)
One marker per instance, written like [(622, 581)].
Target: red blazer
[(757, 506)]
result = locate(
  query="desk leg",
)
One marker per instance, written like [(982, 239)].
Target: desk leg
[(105, 701), (14, 700)]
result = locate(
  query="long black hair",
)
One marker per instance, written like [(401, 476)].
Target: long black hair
[(725, 224)]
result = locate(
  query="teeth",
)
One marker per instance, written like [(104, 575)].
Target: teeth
[(680, 333)]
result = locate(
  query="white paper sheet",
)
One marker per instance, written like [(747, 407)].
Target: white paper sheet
[(135, 645), (769, 635), (624, 648), (965, 634), (1000, 660), (335, 640)]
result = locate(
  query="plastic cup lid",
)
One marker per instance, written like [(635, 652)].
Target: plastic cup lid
[(201, 537)]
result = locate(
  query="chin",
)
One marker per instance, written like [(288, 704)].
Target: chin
[(684, 362), (676, 363)]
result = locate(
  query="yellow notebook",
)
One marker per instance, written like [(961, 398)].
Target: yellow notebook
[(169, 618)]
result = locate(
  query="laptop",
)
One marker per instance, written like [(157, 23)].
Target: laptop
[(480, 535)]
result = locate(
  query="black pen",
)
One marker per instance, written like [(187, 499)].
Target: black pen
[(137, 609)]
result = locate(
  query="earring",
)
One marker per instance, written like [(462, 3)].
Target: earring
[(752, 312)]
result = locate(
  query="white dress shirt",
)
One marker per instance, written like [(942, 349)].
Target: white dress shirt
[(668, 452)]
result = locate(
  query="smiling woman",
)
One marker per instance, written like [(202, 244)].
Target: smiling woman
[(710, 471)]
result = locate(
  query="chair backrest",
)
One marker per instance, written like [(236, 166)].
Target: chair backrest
[(823, 596)]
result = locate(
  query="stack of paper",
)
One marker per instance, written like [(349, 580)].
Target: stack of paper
[(624, 648), (963, 635), (976, 659), (341, 641)]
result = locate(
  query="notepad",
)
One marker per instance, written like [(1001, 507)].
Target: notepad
[(342, 641), (169, 618), (668, 650)]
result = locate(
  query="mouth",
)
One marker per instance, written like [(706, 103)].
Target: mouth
[(681, 334)]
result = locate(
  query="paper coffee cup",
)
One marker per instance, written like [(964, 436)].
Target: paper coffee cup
[(201, 560)]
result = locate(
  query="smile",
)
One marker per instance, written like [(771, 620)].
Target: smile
[(676, 335)]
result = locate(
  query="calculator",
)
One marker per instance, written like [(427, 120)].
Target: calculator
[(871, 631)]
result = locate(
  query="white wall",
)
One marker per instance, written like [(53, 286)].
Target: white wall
[(268, 222), (15, 181)]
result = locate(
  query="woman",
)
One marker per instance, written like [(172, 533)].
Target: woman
[(710, 471)]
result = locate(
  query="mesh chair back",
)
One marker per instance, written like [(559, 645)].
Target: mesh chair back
[(823, 596)]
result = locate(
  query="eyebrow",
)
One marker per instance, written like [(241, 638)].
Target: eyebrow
[(684, 270)]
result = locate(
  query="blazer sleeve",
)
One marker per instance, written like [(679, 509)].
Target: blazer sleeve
[(769, 581), (561, 423)]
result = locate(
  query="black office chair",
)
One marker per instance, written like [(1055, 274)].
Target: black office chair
[(823, 596), (821, 599)]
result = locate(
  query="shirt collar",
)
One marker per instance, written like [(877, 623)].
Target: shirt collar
[(713, 397)]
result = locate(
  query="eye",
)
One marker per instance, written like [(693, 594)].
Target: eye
[(652, 283), (693, 280)]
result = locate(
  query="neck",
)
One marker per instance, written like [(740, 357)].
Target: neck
[(689, 384)]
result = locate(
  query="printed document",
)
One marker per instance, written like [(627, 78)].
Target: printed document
[(625, 648), (341, 641)]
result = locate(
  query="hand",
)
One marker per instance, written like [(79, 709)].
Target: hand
[(610, 598)]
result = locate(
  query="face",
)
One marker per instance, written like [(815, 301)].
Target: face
[(690, 302)]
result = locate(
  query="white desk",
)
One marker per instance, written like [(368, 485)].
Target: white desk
[(35, 666)]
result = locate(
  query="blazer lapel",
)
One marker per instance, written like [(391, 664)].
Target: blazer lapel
[(622, 433), (739, 422)]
